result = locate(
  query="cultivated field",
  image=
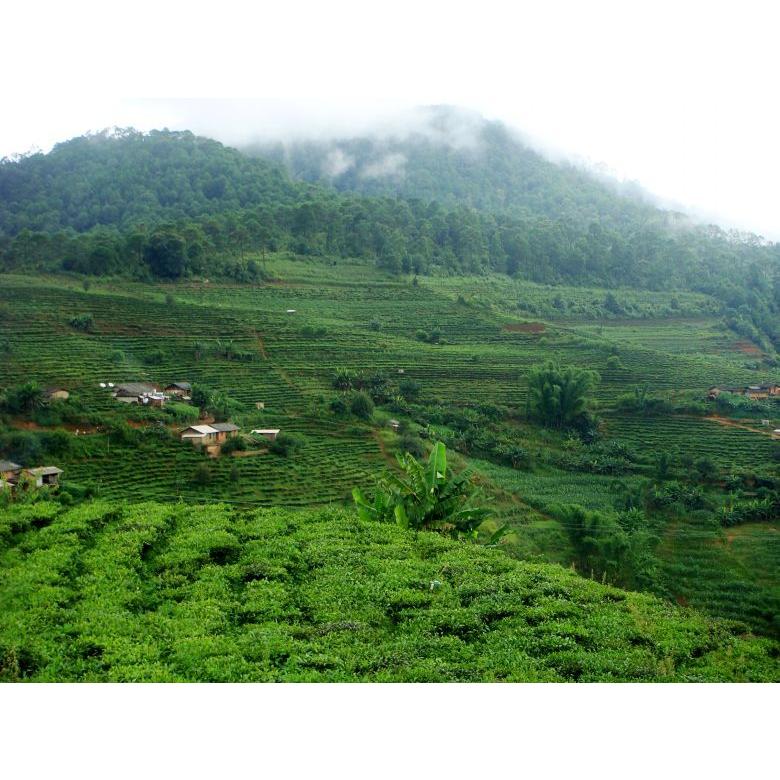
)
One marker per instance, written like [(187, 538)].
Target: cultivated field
[(349, 315)]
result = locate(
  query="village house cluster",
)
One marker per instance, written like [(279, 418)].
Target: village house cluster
[(13, 476), (147, 394), (754, 392)]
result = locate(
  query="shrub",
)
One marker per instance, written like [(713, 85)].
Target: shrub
[(412, 445), (154, 358), (410, 389), (343, 379), (182, 412), (202, 475), (361, 405), (234, 444), (339, 406), (286, 444), (83, 322)]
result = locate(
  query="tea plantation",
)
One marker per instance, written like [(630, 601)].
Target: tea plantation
[(110, 591), (467, 345)]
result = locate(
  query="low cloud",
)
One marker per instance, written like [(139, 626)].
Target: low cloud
[(337, 163), (391, 165)]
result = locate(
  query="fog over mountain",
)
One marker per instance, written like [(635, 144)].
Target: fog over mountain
[(732, 203)]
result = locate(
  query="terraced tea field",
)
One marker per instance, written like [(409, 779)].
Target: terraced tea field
[(350, 315), (726, 445), (732, 573)]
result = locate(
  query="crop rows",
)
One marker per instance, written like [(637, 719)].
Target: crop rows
[(695, 436)]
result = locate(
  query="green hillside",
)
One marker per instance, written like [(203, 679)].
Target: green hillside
[(558, 337), (156, 592), (469, 389)]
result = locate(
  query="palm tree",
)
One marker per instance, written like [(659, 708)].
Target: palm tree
[(29, 397), (558, 395)]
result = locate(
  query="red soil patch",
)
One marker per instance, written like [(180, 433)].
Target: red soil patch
[(747, 348), (248, 453), (525, 327), (29, 425)]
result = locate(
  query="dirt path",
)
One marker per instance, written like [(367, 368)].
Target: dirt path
[(261, 345), (733, 424), (382, 449)]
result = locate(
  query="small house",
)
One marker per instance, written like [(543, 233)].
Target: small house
[(181, 390), (131, 392), (199, 434), (715, 391), (42, 476), (267, 433), (152, 399), (202, 437), (9, 471), (225, 431), (209, 437), (56, 394), (776, 433), (394, 424), (762, 392), (48, 476)]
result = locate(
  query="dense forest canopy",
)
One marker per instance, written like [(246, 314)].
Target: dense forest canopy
[(171, 204), (123, 177)]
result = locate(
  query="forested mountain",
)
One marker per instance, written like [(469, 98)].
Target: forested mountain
[(123, 177), (456, 157), (171, 204)]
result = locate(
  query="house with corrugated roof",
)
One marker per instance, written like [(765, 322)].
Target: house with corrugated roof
[(132, 392)]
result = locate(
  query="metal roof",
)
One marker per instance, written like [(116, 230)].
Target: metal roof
[(224, 427), (43, 471), (8, 465), (135, 388), (204, 430)]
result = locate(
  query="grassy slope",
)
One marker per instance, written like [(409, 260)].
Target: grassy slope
[(170, 592), (676, 347)]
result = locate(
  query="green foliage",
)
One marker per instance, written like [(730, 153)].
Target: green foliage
[(557, 395), (83, 322), (166, 592), (202, 475), (233, 444), (410, 389), (23, 399), (155, 358), (183, 413), (287, 444), (412, 445), (425, 498), (361, 405), (343, 379)]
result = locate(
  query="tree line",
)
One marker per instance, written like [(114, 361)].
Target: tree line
[(189, 206)]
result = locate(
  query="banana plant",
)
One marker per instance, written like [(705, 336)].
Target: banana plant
[(426, 497)]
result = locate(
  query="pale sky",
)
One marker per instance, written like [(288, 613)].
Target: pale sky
[(681, 96)]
